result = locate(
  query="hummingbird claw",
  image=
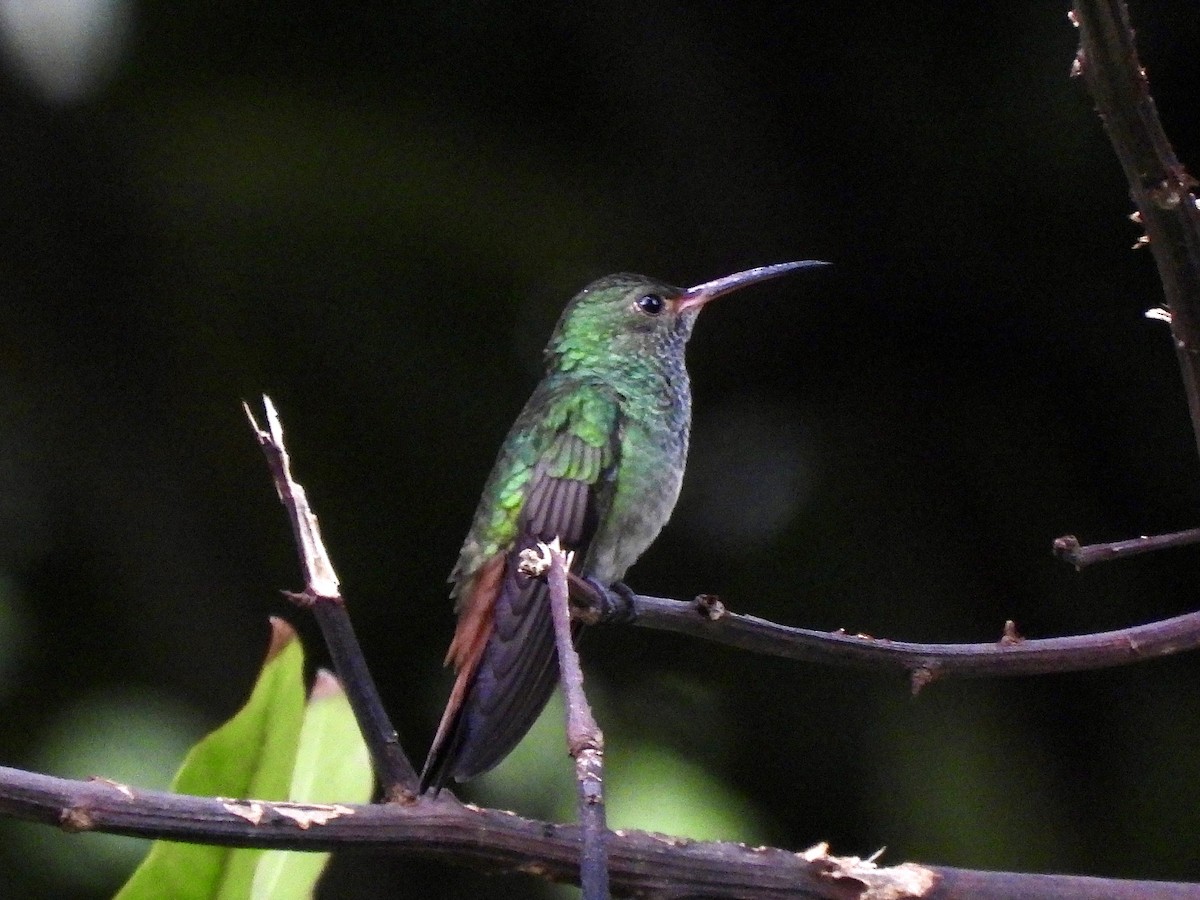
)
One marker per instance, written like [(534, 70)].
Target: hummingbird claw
[(614, 602)]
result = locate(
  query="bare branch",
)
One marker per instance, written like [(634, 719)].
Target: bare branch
[(706, 617), (322, 594), (1069, 550), (320, 580), (641, 864), (584, 740), (1161, 188)]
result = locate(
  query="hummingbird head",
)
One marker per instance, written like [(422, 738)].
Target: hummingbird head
[(627, 317)]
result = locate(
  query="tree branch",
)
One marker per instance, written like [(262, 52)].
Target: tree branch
[(1161, 188), (322, 594), (641, 864), (706, 617), (584, 740), (1069, 550)]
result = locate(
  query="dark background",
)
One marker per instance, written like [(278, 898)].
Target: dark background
[(374, 212)]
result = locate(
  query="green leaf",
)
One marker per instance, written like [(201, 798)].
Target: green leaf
[(332, 766), (251, 755)]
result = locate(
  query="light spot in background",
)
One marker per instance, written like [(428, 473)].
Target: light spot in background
[(749, 472), (67, 48), (972, 787), (137, 737), (655, 789), (646, 785)]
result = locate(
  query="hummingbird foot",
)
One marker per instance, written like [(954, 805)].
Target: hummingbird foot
[(614, 603)]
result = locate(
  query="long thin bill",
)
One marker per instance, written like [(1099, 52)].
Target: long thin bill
[(700, 294)]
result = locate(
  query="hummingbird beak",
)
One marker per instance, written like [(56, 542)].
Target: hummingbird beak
[(696, 297)]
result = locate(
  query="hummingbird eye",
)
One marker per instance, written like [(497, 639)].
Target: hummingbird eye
[(650, 304)]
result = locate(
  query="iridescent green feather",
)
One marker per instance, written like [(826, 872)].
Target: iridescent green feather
[(566, 430)]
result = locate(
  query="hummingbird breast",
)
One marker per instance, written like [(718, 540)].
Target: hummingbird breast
[(655, 421)]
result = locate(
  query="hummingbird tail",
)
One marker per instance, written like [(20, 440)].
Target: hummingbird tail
[(507, 667)]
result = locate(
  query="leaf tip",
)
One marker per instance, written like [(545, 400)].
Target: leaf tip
[(282, 634), (325, 685)]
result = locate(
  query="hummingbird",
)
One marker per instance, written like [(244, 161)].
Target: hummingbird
[(596, 459)]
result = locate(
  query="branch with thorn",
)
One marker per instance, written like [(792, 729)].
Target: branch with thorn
[(322, 594), (1167, 207)]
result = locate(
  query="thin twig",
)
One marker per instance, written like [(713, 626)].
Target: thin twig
[(707, 618), (322, 594), (584, 740), (1069, 550)]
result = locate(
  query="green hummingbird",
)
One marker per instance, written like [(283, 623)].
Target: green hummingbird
[(595, 459)]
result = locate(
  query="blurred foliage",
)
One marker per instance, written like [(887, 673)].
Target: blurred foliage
[(332, 766), (277, 747), (131, 735), (374, 213)]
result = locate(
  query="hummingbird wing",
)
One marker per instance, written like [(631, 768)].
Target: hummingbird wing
[(553, 479)]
